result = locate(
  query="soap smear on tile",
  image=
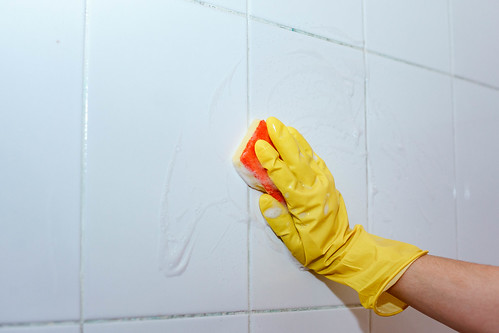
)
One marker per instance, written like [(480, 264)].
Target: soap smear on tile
[(199, 206), (181, 210), (176, 229)]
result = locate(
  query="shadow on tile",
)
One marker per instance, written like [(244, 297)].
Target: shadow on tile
[(344, 293)]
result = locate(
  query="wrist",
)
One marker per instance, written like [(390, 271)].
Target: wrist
[(371, 265)]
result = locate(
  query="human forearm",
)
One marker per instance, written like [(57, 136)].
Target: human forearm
[(461, 295)]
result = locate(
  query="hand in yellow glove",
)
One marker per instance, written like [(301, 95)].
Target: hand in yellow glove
[(315, 226)]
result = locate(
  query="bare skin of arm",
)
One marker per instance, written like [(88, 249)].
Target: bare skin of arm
[(461, 295)]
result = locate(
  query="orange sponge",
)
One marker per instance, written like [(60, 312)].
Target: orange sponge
[(247, 164)]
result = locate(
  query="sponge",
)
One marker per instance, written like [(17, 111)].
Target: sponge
[(247, 164)]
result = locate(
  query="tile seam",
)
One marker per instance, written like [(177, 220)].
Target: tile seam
[(248, 229), (216, 7), (312, 308), (221, 314), (366, 129), (304, 32), (83, 156), (430, 69), (482, 84), (164, 317), (179, 316), (39, 324), (454, 127)]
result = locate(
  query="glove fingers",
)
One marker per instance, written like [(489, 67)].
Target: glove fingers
[(281, 222), (290, 152), (302, 143), (277, 170), (318, 163)]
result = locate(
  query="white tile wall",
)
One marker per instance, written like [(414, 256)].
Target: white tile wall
[(318, 321), (316, 87), (411, 163), (171, 240), (229, 324), (40, 124), (477, 139), (165, 229), (475, 35), (415, 31)]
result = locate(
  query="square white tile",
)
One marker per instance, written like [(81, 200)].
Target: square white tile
[(339, 20), (411, 155), (477, 163), (415, 31), (476, 34), (317, 321), (211, 324), (166, 216), (41, 43), (409, 321), (316, 87), (49, 328)]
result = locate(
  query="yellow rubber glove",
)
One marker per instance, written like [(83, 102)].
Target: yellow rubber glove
[(315, 225)]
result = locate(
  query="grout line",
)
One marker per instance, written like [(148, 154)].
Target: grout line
[(303, 32), (454, 157), (220, 314), (482, 84), (451, 37), (248, 113), (406, 62), (216, 7), (454, 136), (165, 317), (452, 75), (179, 316), (84, 152), (314, 308), (366, 140), (248, 206), (39, 324)]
